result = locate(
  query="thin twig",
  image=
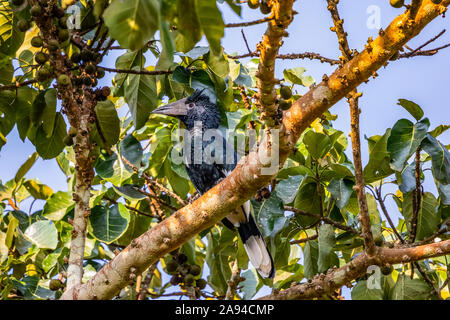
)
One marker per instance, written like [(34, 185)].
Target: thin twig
[(17, 85), (386, 214), (145, 72), (145, 284), (249, 23)]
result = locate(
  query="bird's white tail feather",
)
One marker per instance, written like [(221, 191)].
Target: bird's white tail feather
[(259, 256)]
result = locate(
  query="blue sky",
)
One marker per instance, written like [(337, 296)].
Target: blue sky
[(424, 80)]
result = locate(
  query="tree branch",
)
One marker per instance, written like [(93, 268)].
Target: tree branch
[(250, 23), (250, 175), (271, 42), (332, 281)]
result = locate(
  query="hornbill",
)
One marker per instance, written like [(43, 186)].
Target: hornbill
[(199, 114)]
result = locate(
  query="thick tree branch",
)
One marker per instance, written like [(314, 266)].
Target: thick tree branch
[(268, 48), (332, 281), (250, 175)]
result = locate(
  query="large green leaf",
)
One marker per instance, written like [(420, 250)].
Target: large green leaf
[(25, 167), (132, 22), (43, 234), (38, 190), (428, 216), (109, 223), (341, 190), (270, 214), (326, 241), (49, 148), (378, 166), (410, 289), (287, 189), (414, 109), (317, 144), (404, 140), (189, 30), (10, 36), (211, 22), (307, 200), (141, 96), (220, 271), (251, 284), (361, 292), (108, 121), (440, 158), (295, 76), (311, 256), (56, 206)]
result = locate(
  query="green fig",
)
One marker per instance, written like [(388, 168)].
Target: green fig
[(397, 3)]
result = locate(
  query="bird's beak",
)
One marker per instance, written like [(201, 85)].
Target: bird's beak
[(177, 108)]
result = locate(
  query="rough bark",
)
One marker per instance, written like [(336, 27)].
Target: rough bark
[(272, 40), (247, 177), (327, 284)]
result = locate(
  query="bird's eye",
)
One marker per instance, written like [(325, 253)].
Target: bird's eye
[(190, 105)]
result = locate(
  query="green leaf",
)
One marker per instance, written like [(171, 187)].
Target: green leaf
[(162, 142), (428, 216), (220, 271), (137, 225), (49, 148), (211, 22), (10, 37), (55, 207), (307, 200), (251, 284), (38, 190), (408, 178), (404, 140), (414, 109), (311, 256), (141, 96), (131, 150), (270, 215), (439, 130), (129, 192), (378, 166), (287, 189), (440, 159), (126, 61), (4, 250), (409, 289), (341, 190), (43, 234), (326, 242), (25, 167), (109, 223), (108, 121), (112, 169), (317, 144), (132, 22), (295, 76), (189, 30), (375, 219), (361, 292), (12, 225)]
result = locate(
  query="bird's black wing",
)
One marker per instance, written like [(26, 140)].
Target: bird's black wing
[(209, 172)]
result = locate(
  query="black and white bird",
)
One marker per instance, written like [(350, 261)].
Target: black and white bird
[(199, 115)]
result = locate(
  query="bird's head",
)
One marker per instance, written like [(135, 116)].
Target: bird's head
[(196, 107)]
